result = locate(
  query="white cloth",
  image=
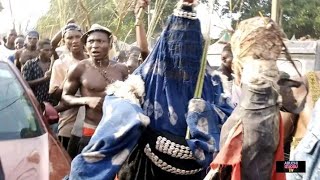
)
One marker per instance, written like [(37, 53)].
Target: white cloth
[(5, 52)]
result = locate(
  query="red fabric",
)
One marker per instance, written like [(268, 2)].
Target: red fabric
[(230, 154), (279, 156), (87, 131)]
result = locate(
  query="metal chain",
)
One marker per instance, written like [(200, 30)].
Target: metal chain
[(103, 72)]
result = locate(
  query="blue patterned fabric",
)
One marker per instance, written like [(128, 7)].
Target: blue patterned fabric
[(32, 71), (118, 132), (170, 74)]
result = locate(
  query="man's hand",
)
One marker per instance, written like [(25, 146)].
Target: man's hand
[(47, 74), (141, 4), (188, 1), (71, 20), (94, 103)]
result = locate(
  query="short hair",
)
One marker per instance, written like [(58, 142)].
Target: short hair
[(33, 33), (42, 43), (227, 47), (134, 49), (71, 27), (21, 36)]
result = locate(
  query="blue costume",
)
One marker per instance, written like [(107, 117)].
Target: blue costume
[(148, 141)]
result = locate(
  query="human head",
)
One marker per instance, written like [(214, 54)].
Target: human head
[(19, 42), (122, 57), (32, 39), (255, 38), (227, 57), (45, 49), (72, 37), (133, 60), (98, 42), (11, 37)]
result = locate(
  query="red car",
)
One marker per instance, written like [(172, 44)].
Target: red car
[(29, 149)]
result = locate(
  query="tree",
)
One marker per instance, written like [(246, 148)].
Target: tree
[(301, 18), (298, 17), (86, 13), (117, 15)]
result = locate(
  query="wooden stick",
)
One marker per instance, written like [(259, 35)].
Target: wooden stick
[(202, 71)]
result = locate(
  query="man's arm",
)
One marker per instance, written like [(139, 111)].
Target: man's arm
[(141, 36), (142, 41), (71, 86), (17, 61), (54, 43), (56, 81), (57, 38), (38, 81)]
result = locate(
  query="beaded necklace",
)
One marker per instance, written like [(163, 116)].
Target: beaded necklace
[(102, 71)]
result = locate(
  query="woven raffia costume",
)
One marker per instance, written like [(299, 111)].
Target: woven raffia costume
[(145, 140), (252, 137)]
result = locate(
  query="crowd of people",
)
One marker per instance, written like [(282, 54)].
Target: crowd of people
[(71, 72), (124, 119)]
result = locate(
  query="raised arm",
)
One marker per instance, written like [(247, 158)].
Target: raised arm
[(57, 38), (54, 43), (140, 30)]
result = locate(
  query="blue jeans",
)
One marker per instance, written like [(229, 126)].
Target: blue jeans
[(54, 128), (309, 150)]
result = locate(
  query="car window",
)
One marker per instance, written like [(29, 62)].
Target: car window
[(17, 115)]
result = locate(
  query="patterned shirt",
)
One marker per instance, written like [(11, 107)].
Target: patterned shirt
[(32, 71)]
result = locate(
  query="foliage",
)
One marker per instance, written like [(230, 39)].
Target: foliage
[(298, 17), (117, 15), (301, 18)]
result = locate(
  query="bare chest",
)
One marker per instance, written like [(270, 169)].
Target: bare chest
[(95, 80)]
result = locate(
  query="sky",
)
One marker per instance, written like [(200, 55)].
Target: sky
[(218, 23), (27, 12), (23, 11)]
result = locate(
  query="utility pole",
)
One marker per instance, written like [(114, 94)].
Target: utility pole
[(275, 11)]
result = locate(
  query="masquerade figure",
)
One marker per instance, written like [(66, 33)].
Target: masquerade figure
[(145, 118), (252, 138)]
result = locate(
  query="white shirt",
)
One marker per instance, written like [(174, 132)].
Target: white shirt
[(5, 52)]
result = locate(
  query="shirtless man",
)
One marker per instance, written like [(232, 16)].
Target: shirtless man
[(92, 76), (29, 51), (71, 35)]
